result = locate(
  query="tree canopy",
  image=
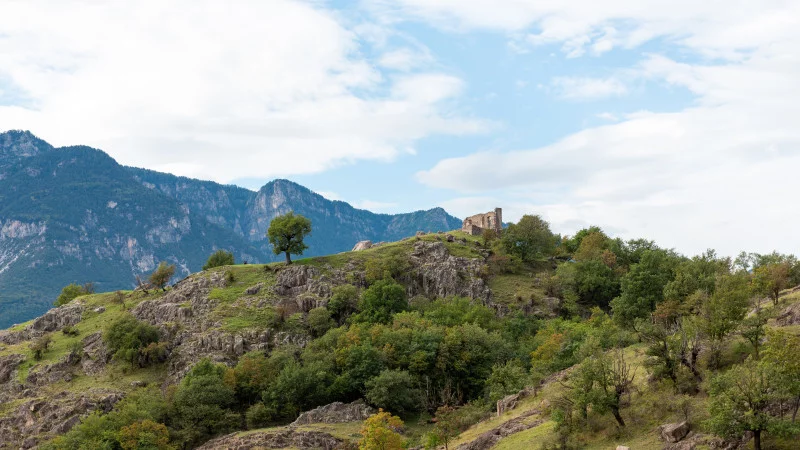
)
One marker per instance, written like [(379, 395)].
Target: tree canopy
[(286, 234)]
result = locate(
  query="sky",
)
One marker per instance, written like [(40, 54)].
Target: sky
[(675, 121)]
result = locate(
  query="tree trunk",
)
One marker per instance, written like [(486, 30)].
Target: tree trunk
[(796, 406), (288, 259), (757, 439), (615, 411)]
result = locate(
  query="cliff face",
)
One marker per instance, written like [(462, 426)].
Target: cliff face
[(72, 214)]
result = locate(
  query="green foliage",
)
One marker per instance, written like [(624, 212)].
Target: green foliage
[(393, 265), (506, 379), (319, 321), (134, 342), (741, 400), (781, 352), (595, 283), (643, 286), (69, 293), (771, 279), (258, 416), (571, 244), (380, 301), (343, 302), (454, 311), (145, 435), (286, 234), (394, 390), (599, 383), (161, 276), (40, 345), (104, 431), (530, 239), (381, 432), (202, 402), (219, 258)]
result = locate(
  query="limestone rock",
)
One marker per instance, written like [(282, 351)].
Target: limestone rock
[(674, 432), (510, 402), (421, 233), (336, 412), (362, 245), (623, 447), (789, 316), (253, 290), (99, 310), (450, 237), (490, 438), (281, 439)]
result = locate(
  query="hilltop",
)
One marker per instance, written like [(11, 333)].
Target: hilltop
[(74, 215), (475, 342)]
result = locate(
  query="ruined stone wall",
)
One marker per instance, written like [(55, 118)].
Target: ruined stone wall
[(492, 220)]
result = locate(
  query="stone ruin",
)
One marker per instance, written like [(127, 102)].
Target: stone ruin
[(493, 220)]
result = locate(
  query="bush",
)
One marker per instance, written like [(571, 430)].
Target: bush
[(343, 302), (70, 292), (161, 276), (393, 390), (129, 340), (219, 258), (40, 345), (70, 331), (319, 321), (202, 404), (258, 416), (381, 300)]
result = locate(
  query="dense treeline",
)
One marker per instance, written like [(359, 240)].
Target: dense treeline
[(438, 357)]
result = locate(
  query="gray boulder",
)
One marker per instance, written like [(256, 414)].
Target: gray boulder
[(336, 412), (362, 245), (674, 432)]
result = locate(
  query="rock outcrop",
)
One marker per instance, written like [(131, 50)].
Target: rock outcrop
[(488, 439), (38, 418), (362, 245), (510, 402), (281, 439), (437, 273), (336, 412), (789, 316), (673, 432)]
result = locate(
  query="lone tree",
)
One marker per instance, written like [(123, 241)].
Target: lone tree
[(286, 234), (161, 276), (219, 258)]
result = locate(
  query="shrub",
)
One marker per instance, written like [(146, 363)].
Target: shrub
[(145, 434), (161, 276), (70, 331), (40, 345), (219, 258), (381, 300), (129, 339), (394, 391), (70, 292), (319, 321), (343, 302), (258, 416)]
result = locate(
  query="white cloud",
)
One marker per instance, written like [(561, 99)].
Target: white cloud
[(405, 59), (214, 90), (716, 29), (718, 173), (329, 195), (584, 88), (373, 205)]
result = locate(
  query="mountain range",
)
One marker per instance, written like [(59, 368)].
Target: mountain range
[(73, 214)]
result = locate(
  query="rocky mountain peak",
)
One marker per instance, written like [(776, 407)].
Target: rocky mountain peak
[(21, 144)]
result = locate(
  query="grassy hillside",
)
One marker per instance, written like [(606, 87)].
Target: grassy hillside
[(434, 328)]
